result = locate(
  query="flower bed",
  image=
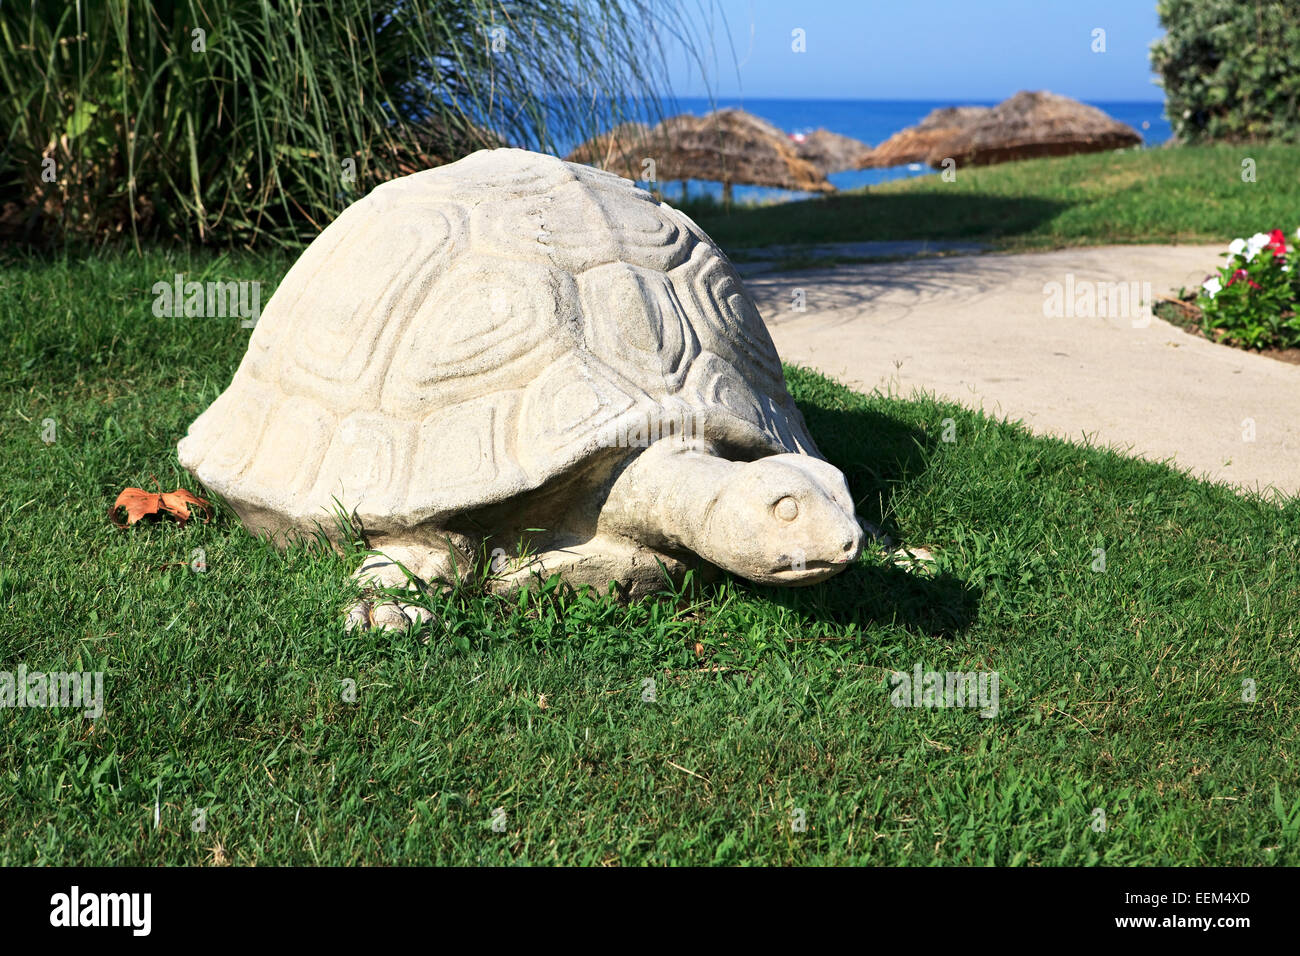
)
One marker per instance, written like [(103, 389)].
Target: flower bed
[(1254, 299)]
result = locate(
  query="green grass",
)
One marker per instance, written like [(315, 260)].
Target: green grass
[(1120, 690), (1177, 194)]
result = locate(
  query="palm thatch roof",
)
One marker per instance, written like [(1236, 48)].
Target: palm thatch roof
[(728, 146), (917, 143), (831, 152), (1035, 124), (625, 145), (1022, 127)]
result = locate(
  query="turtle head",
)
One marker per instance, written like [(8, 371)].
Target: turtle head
[(784, 520)]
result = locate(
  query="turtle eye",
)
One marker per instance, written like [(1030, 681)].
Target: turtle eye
[(787, 509)]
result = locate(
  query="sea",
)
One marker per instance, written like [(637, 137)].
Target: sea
[(873, 121)]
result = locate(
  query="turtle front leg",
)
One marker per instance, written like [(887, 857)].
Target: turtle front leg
[(384, 569)]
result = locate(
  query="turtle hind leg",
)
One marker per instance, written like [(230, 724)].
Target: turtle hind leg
[(403, 568), (633, 569)]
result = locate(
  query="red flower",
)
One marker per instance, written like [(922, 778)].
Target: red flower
[(1277, 242), (1241, 273)]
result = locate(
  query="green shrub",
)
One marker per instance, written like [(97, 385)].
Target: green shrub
[(1228, 68), (231, 120), (1253, 301)]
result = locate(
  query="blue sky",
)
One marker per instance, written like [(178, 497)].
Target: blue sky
[(951, 50)]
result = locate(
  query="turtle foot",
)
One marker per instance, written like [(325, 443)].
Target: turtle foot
[(385, 615), (634, 571), (400, 568)]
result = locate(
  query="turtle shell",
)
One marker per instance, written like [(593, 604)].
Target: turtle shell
[(471, 333)]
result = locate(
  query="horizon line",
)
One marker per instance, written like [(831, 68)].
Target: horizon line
[(884, 99)]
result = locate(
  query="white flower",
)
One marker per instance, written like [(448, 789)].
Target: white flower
[(1254, 244), (1297, 233), (1237, 246), (1212, 286), (1286, 268)]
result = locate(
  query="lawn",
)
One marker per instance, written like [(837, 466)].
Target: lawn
[(1173, 194), (228, 691)]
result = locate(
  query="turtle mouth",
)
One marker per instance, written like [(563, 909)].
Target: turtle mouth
[(810, 572)]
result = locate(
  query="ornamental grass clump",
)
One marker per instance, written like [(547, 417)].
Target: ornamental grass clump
[(235, 122)]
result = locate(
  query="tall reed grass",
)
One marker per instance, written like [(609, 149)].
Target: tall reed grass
[(238, 121)]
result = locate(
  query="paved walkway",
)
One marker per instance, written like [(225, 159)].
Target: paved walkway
[(973, 330), (767, 258)]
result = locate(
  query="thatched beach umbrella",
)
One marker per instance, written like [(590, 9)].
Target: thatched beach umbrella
[(1034, 124), (830, 152), (623, 146), (917, 143), (734, 147), (727, 146)]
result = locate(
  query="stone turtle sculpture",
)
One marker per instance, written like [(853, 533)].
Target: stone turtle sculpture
[(532, 364)]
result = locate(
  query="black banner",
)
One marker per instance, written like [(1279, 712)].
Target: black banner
[(334, 905)]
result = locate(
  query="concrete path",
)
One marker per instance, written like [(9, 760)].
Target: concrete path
[(972, 329), (767, 258)]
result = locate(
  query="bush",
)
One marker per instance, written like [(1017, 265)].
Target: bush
[(1228, 68), (232, 120), (1253, 300)]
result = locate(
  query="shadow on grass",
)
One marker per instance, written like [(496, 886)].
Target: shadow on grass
[(940, 606), (936, 213), (879, 455), (879, 594), (876, 452)]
